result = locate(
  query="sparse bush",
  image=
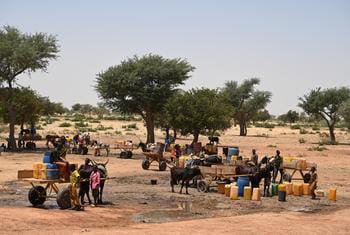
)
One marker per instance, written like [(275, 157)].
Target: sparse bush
[(65, 124), (295, 127), (302, 141), (317, 148), (327, 141), (315, 128), (118, 132), (103, 128), (302, 131), (132, 126), (130, 133), (38, 127), (272, 146), (264, 125), (80, 124), (123, 126)]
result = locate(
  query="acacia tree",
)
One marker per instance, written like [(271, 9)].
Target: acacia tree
[(141, 85), (325, 103), (198, 111), (27, 103), (291, 116), (246, 101), (345, 113), (21, 53)]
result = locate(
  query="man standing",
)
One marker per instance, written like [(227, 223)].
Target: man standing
[(254, 157), (313, 183), (277, 166)]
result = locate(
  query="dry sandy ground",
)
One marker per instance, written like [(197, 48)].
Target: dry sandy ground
[(133, 206)]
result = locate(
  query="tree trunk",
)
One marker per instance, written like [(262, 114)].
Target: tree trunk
[(12, 114), (167, 134), (242, 128), (331, 133), (175, 134), (195, 137), (150, 128)]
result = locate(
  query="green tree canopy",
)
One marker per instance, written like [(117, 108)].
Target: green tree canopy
[(325, 103), (141, 85), (345, 113), (27, 104), (21, 53), (198, 111), (291, 116), (246, 101)]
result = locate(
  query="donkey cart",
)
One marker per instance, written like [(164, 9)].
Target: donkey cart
[(214, 175), (154, 157), (43, 189)]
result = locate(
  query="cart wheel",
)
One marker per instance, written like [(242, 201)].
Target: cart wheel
[(202, 186), (196, 179), (85, 150), (145, 164), (307, 178), (287, 177), (124, 154), (63, 198), (162, 165), (129, 154), (37, 195)]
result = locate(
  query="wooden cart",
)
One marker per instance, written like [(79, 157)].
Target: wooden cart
[(125, 149), (154, 157), (289, 171), (214, 174), (43, 189)]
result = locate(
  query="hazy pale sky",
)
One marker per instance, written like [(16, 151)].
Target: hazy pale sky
[(292, 46)]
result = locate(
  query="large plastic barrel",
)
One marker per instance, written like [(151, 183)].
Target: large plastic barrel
[(232, 152), (52, 174), (51, 166), (49, 157), (242, 182)]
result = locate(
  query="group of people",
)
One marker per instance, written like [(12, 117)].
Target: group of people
[(79, 187), (277, 166)]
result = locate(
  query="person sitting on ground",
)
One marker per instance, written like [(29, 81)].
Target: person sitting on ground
[(74, 184), (95, 180), (313, 183)]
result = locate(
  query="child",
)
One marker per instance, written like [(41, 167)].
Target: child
[(74, 184), (95, 179)]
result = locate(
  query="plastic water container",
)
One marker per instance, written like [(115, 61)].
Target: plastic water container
[(289, 188), (297, 189), (242, 182), (37, 167), (274, 189), (256, 194), (247, 195), (232, 152), (282, 187), (332, 195), (234, 192), (221, 187), (227, 190), (282, 196), (306, 189)]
